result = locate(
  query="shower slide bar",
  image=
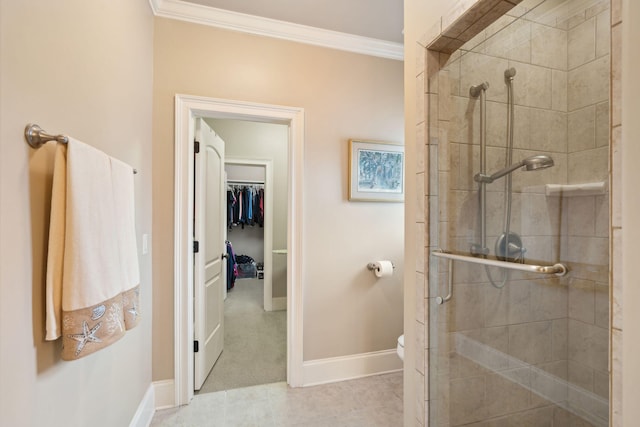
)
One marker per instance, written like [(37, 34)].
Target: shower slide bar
[(558, 269), (36, 137)]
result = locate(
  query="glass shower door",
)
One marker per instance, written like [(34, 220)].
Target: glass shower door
[(510, 347)]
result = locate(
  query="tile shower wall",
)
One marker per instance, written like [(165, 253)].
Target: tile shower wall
[(587, 246), (537, 349)]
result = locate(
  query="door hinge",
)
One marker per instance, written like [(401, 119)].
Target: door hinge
[(196, 347), (196, 146), (196, 246)]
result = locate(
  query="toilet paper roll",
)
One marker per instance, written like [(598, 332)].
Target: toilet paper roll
[(383, 268)]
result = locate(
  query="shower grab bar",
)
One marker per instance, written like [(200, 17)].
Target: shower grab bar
[(558, 269)]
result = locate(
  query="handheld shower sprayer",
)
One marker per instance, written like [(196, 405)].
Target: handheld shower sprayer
[(540, 161), (509, 73)]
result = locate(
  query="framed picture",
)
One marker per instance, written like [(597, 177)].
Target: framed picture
[(376, 171)]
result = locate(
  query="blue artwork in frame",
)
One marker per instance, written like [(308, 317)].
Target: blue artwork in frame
[(376, 171)]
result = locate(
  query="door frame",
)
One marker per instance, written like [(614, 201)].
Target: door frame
[(267, 302), (187, 107)]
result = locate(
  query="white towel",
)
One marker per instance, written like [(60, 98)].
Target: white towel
[(90, 262), (55, 255), (124, 204)]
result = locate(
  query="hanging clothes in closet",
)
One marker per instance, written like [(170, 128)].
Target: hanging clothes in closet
[(245, 205), (232, 266)]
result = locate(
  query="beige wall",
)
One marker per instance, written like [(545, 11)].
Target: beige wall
[(82, 68), (344, 95), (263, 141)]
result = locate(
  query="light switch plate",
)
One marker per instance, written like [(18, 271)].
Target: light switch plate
[(145, 244)]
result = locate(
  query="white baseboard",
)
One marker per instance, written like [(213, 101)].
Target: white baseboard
[(145, 411), (335, 369), (165, 393), (278, 304)]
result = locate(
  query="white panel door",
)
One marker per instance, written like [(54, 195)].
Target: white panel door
[(210, 262)]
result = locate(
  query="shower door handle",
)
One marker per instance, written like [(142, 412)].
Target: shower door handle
[(442, 300), (558, 269)]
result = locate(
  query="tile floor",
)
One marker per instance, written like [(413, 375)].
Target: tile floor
[(366, 402)]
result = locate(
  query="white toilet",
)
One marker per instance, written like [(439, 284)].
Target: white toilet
[(400, 347)]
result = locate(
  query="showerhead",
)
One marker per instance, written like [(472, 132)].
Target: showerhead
[(540, 161)]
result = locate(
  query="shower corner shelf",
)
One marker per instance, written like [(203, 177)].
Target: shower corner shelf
[(572, 190)]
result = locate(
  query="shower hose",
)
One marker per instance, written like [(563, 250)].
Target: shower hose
[(508, 188)]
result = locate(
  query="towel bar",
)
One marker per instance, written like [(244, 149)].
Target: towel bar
[(558, 269), (36, 137)]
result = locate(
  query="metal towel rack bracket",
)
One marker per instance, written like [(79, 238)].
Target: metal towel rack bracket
[(36, 137)]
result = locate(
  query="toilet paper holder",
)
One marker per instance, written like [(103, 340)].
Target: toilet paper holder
[(372, 266)]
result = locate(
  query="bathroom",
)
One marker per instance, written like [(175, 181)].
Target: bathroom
[(32, 372), (517, 142)]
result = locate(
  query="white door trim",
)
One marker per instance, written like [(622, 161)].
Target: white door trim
[(186, 108), (268, 223)]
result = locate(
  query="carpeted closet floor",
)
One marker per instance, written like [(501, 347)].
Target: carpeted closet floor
[(255, 341)]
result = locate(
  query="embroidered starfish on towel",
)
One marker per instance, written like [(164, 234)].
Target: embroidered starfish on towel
[(134, 311), (87, 335)]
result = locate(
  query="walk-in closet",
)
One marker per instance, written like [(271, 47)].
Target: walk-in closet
[(245, 222)]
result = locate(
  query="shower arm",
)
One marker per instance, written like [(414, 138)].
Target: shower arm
[(488, 179), (539, 161)]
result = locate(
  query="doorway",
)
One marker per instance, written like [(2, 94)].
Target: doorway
[(186, 109), (256, 155)]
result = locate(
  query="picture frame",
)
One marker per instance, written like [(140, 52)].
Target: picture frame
[(376, 171)]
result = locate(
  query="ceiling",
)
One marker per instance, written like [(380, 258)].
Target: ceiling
[(377, 19)]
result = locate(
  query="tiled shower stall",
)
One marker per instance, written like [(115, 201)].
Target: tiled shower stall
[(515, 348)]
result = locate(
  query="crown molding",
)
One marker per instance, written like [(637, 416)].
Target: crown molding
[(220, 18)]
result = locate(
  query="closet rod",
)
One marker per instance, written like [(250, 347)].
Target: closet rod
[(36, 137), (244, 181)]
